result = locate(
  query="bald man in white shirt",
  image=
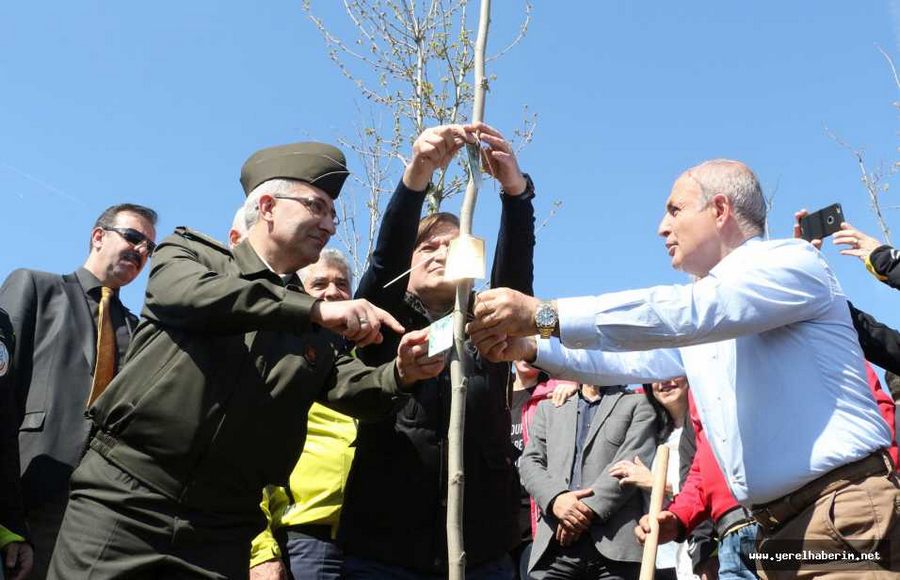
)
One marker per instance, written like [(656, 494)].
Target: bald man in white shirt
[(765, 338)]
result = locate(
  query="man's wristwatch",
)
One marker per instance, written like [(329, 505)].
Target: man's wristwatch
[(546, 319)]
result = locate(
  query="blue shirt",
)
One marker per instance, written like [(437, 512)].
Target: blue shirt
[(766, 342), (586, 411)]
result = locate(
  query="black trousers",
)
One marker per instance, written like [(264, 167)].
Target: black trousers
[(581, 561), (116, 527), (43, 523)]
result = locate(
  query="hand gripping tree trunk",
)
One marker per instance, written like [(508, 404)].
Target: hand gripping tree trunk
[(460, 364)]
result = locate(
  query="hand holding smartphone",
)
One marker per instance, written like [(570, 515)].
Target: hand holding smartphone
[(821, 224)]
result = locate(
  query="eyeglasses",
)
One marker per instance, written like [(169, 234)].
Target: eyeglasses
[(135, 238), (316, 206)]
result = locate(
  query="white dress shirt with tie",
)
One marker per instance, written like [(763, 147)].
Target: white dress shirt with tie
[(766, 342)]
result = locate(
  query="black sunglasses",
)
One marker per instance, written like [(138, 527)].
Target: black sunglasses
[(135, 238)]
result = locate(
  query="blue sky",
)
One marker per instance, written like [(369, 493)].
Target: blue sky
[(160, 103)]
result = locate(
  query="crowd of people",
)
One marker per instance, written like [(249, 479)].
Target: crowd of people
[(260, 420)]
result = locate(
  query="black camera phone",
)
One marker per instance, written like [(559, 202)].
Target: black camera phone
[(821, 224)]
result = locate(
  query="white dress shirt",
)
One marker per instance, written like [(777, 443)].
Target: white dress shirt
[(766, 342)]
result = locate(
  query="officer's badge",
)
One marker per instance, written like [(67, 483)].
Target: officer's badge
[(4, 359), (311, 355)]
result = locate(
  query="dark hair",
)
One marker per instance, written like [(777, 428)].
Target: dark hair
[(107, 219), (430, 222), (665, 424)]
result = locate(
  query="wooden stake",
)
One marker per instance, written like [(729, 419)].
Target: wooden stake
[(657, 494)]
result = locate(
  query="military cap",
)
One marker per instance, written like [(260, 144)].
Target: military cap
[(318, 164)]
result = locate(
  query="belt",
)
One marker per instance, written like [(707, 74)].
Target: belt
[(317, 531), (733, 520), (776, 513)]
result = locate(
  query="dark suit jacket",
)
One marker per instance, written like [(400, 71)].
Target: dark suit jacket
[(622, 428), (11, 511), (54, 360)]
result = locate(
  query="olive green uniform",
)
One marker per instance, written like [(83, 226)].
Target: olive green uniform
[(225, 358)]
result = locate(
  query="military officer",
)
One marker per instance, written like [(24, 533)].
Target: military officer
[(230, 351)]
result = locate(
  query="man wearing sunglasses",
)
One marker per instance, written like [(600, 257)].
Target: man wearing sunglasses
[(55, 318)]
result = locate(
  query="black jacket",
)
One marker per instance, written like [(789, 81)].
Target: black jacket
[(885, 261), (12, 512), (56, 338), (395, 503), (880, 343)]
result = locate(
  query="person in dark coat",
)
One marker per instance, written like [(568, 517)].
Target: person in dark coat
[(394, 518), (16, 554), (57, 324)]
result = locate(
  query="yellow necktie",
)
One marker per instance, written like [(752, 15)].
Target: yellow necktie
[(105, 369)]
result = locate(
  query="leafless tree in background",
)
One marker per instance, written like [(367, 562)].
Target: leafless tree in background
[(875, 178), (412, 60)]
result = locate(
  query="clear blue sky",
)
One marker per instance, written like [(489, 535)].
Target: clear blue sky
[(160, 103)]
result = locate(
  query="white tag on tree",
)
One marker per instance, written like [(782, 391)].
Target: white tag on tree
[(440, 335), (465, 258)]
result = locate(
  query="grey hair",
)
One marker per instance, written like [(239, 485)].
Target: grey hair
[(333, 257), (270, 187), (739, 184), (239, 223)]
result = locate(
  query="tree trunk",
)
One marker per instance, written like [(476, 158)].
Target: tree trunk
[(460, 365)]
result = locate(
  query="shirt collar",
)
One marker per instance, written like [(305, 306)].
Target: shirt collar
[(252, 265), (588, 401), (90, 283), (416, 304)]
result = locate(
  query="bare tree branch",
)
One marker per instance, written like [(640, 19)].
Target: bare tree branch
[(770, 204), (890, 61), (523, 30), (413, 60), (557, 205), (871, 182)]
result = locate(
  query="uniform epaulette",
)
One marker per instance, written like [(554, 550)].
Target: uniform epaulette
[(196, 236)]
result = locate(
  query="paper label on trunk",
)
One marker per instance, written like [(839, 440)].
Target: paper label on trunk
[(465, 258)]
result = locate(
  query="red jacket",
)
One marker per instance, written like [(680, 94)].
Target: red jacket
[(886, 407), (705, 493)]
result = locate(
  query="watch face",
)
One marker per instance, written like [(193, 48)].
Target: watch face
[(545, 316)]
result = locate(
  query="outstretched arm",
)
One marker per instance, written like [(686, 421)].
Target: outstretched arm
[(514, 255), (880, 343)]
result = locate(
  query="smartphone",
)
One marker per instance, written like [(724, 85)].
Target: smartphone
[(821, 224)]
